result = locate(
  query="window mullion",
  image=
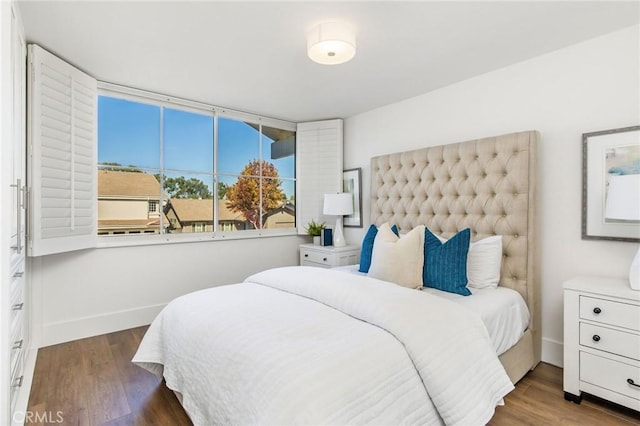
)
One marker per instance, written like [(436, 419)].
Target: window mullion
[(216, 178), (260, 179), (161, 195)]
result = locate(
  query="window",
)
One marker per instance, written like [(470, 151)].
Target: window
[(159, 171), (153, 149)]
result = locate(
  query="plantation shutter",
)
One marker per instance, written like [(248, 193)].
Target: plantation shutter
[(318, 168), (62, 114)]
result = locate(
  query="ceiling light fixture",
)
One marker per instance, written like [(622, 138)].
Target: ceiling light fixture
[(331, 43)]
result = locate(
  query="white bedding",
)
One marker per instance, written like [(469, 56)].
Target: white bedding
[(503, 311), (304, 345)]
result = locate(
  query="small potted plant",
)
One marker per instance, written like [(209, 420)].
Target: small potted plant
[(314, 229)]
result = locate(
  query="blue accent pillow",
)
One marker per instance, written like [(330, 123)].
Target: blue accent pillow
[(367, 247), (445, 265)]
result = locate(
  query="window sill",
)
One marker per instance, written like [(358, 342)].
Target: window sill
[(146, 240)]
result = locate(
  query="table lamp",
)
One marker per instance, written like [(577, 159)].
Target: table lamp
[(623, 203), (338, 205)]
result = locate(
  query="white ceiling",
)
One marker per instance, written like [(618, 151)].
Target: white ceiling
[(252, 56)]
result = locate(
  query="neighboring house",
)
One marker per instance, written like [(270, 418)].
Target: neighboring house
[(228, 220), (196, 215), (128, 203), (281, 217)]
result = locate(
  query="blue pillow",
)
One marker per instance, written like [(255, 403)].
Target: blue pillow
[(367, 247), (445, 265)]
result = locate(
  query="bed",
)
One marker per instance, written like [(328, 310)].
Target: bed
[(303, 345), (487, 185)]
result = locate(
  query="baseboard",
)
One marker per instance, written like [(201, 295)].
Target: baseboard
[(552, 352), (20, 412), (65, 331)]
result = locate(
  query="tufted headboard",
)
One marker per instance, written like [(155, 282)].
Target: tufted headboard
[(487, 185)]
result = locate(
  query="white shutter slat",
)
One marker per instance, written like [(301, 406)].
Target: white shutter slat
[(62, 157), (318, 167)]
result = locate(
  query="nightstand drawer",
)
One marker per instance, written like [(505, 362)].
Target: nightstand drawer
[(609, 340), (609, 374), (316, 257), (609, 312)]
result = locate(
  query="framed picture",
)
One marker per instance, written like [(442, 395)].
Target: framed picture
[(605, 154), (351, 183)]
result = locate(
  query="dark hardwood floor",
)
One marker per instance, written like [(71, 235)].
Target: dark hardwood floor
[(93, 382)]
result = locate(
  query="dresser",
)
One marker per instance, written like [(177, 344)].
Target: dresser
[(328, 256), (14, 321), (602, 340)]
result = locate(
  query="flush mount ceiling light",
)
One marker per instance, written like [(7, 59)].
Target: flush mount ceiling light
[(331, 43)]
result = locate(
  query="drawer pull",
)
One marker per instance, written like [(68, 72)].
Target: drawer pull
[(17, 382), (324, 259), (596, 338), (632, 383), (18, 306), (597, 310), (306, 255), (18, 344), (18, 274)]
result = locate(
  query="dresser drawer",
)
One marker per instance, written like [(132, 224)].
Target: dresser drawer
[(314, 258), (609, 374), (16, 383), (17, 278), (16, 307), (609, 312), (17, 344), (609, 340)]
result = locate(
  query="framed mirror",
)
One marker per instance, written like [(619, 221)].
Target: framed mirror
[(606, 155)]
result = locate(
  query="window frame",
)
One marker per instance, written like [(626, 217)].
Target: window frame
[(138, 95)]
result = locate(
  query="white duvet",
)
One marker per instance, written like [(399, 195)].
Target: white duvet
[(303, 345)]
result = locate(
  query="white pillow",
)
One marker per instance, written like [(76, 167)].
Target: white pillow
[(483, 262), (398, 259)]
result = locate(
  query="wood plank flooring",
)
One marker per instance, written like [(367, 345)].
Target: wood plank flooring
[(93, 382)]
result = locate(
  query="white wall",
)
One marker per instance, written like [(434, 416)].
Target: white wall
[(91, 292), (587, 87)]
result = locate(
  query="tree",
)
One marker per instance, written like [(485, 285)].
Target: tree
[(222, 190), (117, 167), (181, 187), (244, 195)]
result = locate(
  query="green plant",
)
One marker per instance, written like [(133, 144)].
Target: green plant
[(314, 229)]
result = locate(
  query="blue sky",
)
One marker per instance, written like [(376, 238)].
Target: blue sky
[(129, 134)]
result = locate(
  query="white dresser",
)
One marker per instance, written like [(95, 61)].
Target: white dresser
[(328, 256), (602, 340), (14, 321)]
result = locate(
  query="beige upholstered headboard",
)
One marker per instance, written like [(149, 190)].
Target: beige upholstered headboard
[(487, 185)]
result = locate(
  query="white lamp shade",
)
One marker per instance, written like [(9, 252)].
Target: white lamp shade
[(338, 204), (331, 43), (623, 198)]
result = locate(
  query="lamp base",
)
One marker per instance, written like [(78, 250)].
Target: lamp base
[(634, 272), (338, 236)]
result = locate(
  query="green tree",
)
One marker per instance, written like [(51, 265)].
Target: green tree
[(181, 187), (117, 167), (222, 190), (244, 195)]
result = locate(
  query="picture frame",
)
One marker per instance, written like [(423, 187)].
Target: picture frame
[(352, 184), (604, 154)]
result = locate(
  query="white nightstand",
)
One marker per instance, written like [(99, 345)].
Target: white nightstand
[(328, 256), (602, 340)]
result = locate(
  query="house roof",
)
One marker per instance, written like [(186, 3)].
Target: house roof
[(196, 210), (133, 223), (225, 213), (127, 184), (286, 207)]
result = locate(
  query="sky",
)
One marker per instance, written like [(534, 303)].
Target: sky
[(129, 134)]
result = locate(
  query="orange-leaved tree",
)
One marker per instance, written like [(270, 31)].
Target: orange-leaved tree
[(244, 195)]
